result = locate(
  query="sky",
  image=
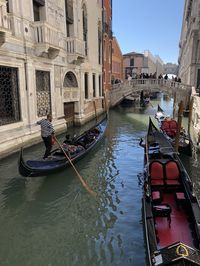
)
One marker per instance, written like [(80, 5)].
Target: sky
[(153, 25)]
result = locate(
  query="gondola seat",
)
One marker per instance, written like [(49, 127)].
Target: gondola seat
[(180, 198), (172, 173), (156, 172), (163, 210), (156, 196)]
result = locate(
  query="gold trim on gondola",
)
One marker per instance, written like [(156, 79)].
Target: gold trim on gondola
[(182, 251)]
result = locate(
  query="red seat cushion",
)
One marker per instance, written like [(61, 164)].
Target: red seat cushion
[(156, 195), (180, 196), (172, 170)]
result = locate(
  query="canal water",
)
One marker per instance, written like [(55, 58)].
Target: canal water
[(53, 221)]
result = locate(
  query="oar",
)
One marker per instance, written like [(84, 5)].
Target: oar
[(79, 176)]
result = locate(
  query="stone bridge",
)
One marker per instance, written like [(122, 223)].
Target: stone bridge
[(122, 90)]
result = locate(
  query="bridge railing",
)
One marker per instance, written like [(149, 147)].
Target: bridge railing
[(120, 90)]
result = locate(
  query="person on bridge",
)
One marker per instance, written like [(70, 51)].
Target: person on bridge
[(47, 133)]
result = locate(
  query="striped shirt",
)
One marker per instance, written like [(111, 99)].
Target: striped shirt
[(46, 128)]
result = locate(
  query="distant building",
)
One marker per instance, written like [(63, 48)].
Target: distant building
[(170, 68), (136, 63), (117, 62), (132, 64)]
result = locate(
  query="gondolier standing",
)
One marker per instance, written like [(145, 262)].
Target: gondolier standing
[(47, 132)]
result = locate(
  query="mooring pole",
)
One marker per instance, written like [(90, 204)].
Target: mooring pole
[(174, 105), (180, 116), (190, 113)]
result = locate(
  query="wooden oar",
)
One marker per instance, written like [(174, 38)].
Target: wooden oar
[(79, 176)]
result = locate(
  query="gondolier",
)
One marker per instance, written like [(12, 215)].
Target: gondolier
[(47, 132)]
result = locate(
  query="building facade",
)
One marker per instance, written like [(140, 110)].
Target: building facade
[(107, 44), (50, 62), (189, 45), (117, 62)]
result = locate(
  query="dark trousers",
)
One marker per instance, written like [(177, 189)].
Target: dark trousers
[(48, 145)]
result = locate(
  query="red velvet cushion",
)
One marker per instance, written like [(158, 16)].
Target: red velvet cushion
[(156, 170), (172, 170), (180, 195), (156, 195)]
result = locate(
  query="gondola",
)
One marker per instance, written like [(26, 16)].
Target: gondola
[(76, 149), (171, 212), (169, 128)]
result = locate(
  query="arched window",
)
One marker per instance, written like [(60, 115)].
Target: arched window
[(85, 27), (70, 80)]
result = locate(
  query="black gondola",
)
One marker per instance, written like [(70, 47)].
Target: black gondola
[(171, 211), (169, 127), (76, 149)]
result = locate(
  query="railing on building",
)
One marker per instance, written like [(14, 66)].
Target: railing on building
[(75, 46), (45, 33)]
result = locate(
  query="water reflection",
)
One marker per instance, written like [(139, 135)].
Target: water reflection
[(53, 220)]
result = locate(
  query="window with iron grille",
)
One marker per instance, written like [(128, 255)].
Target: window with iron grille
[(43, 93), (9, 96)]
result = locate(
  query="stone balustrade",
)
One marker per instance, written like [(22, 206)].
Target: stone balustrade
[(75, 47), (45, 33), (121, 90)]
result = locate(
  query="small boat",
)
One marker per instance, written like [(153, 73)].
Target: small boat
[(76, 149), (169, 127), (171, 212)]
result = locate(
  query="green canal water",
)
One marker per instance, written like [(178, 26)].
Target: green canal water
[(53, 221)]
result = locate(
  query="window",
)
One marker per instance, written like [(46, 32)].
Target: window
[(86, 85), (70, 80), (85, 28), (37, 4), (94, 84), (69, 16), (132, 62), (99, 43), (43, 93), (100, 87), (9, 95)]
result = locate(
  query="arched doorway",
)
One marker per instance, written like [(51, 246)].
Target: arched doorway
[(70, 82)]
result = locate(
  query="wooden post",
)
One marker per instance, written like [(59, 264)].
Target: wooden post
[(180, 116), (174, 105), (190, 113), (95, 109)]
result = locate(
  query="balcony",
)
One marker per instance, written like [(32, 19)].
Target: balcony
[(71, 94), (4, 23), (75, 49), (46, 40)]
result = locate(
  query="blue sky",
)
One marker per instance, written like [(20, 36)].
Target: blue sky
[(149, 25)]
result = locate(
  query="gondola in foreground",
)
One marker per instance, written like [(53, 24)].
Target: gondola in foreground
[(169, 127), (171, 212), (57, 160)]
